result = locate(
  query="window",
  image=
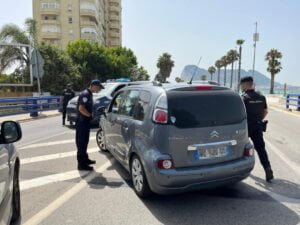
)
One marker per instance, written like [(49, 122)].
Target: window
[(88, 6), (88, 30), (142, 105), (50, 28), (116, 106), (131, 98), (70, 20), (50, 5)]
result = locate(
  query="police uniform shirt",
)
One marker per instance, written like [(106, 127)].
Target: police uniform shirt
[(68, 95), (85, 99), (255, 105)]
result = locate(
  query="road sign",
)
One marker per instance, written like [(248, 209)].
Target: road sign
[(37, 62)]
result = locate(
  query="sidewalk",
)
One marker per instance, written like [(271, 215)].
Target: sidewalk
[(26, 117), (278, 103)]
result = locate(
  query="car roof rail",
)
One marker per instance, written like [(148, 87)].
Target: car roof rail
[(156, 83)]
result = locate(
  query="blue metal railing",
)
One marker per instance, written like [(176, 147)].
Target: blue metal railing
[(293, 100), (32, 105)]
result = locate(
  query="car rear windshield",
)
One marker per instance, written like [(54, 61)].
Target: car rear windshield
[(204, 109)]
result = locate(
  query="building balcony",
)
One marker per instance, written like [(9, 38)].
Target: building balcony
[(88, 12), (114, 9), (114, 34), (88, 23), (50, 22), (51, 35), (47, 11), (114, 25), (114, 44), (88, 36), (114, 17)]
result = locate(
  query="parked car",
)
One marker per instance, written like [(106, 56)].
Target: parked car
[(177, 138), (10, 207), (101, 99)]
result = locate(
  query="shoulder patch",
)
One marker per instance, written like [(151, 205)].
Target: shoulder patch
[(85, 99)]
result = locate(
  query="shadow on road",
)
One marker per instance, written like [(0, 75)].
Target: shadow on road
[(279, 186)]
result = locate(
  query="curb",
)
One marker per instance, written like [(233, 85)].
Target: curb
[(42, 116)]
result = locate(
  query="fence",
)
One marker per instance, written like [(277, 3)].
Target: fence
[(32, 105), (293, 100)]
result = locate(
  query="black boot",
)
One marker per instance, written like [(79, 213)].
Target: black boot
[(89, 161), (269, 174)]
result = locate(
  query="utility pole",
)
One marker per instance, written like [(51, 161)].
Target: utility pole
[(255, 39)]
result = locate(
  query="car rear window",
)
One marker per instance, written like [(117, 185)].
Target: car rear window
[(204, 109)]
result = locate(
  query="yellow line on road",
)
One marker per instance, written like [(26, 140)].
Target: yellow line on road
[(47, 211)]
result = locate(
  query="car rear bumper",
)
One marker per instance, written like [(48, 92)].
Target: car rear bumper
[(187, 179)]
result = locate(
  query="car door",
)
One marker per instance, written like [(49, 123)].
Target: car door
[(110, 126), (125, 124), (4, 173)]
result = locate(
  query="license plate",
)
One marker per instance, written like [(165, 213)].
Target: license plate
[(210, 153)]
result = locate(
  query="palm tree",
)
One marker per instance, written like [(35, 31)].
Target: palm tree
[(203, 77), (239, 42), (225, 63), (274, 65), (232, 57), (219, 65), (165, 65), (211, 70)]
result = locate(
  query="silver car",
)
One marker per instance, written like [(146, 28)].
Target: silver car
[(176, 138), (10, 207)]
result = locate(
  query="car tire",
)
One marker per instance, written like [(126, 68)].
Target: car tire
[(100, 138), (139, 179), (16, 199)]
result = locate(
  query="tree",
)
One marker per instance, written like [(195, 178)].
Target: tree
[(225, 62), (211, 70), (59, 70), (274, 65), (203, 77), (232, 57), (139, 74), (165, 65), (219, 65), (239, 42)]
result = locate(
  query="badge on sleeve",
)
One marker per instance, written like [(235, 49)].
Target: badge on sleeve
[(84, 99)]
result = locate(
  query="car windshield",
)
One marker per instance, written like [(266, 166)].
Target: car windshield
[(108, 89), (192, 109)]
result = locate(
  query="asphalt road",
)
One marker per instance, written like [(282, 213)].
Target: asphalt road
[(54, 192)]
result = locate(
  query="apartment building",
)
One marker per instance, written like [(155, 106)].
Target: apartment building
[(62, 21)]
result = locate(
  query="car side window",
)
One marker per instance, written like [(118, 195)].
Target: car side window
[(130, 100), (142, 106), (117, 103)]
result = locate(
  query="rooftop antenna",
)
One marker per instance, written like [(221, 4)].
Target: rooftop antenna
[(191, 81)]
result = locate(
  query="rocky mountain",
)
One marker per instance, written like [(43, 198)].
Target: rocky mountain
[(261, 80)]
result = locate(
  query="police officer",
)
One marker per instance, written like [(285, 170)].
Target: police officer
[(67, 95), (256, 107), (85, 109)]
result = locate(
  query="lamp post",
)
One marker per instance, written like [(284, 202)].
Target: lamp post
[(255, 39)]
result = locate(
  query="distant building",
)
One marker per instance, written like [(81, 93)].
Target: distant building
[(62, 21)]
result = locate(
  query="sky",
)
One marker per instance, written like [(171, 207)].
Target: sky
[(190, 29)]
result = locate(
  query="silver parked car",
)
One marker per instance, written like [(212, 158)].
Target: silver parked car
[(10, 207), (177, 138)]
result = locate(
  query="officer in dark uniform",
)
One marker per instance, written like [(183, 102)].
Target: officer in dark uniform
[(256, 107), (67, 95), (85, 111)]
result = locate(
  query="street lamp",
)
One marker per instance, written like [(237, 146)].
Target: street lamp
[(255, 39)]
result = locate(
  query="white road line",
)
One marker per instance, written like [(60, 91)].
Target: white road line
[(284, 158), (47, 211), (39, 145), (42, 139), (53, 156)]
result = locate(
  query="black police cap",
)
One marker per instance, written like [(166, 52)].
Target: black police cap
[(97, 83), (246, 79)]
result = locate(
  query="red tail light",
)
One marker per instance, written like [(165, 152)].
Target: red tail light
[(248, 150), (203, 88), (160, 116), (165, 164)]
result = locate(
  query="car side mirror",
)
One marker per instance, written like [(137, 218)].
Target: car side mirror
[(10, 132)]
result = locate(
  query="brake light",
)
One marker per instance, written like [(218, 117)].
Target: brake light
[(203, 88), (160, 116), (165, 164), (248, 150)]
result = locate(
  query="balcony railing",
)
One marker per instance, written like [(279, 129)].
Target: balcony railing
[(51, 35), (88, 12), (50, 11)]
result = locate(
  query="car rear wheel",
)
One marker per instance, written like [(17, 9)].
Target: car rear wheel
[(101, 140), (16, 201), (140, 183)]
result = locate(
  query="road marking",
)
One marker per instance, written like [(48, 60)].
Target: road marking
[(42, 139), (290, 163), (286, 112), (53, 156), (47, 211), (39, 145)]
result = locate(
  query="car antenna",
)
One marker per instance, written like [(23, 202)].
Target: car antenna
[(191, 81)]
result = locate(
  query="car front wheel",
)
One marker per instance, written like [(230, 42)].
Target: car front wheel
[(101, 140), (16, 200), (140, 183)]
